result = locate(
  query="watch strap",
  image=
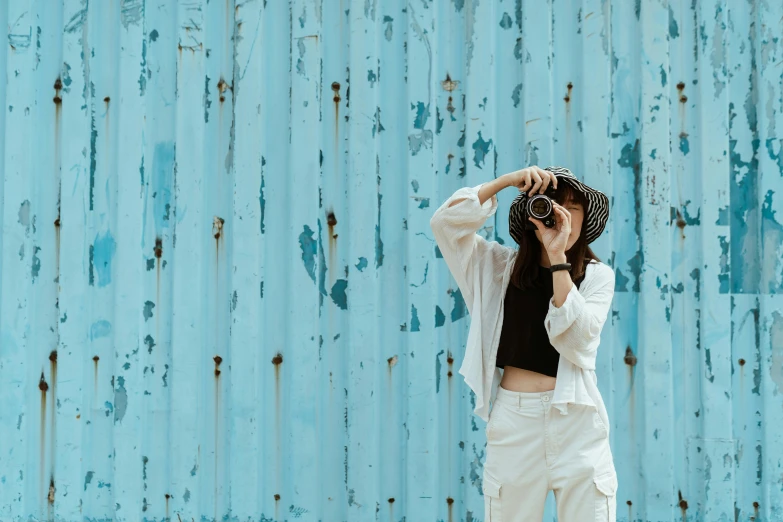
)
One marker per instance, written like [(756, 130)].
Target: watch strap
[(560, 266)]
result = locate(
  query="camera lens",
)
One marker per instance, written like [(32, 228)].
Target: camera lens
[(539, 207)]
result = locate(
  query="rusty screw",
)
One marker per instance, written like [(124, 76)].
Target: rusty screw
[(630, 358)]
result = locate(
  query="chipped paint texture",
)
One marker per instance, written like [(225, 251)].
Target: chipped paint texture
[(220, 298)]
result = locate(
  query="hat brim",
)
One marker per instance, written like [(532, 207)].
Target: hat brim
[(597, 206)]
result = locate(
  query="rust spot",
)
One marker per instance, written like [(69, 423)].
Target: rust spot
[(681, 223), (222, 87), (755, 505), (53, 356), (683, 98), (158, 247), (680, 86), (629, 503), (58, 84), (107, 99), (630, 358), (51, 490), (336, 89), (742, 362), (567, 97), (449, 501), (277, 359), (277, 496), (450, 359), (78, 415), (391, 500), (57, 222), (217, 226), (330, 219), (449, 373), (218, 359), (683, 504), (392, 361), (96, 359), (42, 385), (449, 84)]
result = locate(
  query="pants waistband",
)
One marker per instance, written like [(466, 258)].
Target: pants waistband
[(518, 398)]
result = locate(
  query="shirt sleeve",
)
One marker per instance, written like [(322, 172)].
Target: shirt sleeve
[(574, 328), (455, 230)]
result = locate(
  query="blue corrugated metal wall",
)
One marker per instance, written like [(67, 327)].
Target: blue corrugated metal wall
[(221, 300)]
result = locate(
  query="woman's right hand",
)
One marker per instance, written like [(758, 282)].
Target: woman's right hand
[(531, 180)]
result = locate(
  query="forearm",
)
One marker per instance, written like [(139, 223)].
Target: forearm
[(561, 280), (489, 189)]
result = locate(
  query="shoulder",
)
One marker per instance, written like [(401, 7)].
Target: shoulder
[(599, 273)]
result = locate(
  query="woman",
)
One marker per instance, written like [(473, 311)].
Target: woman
[(537, 313)]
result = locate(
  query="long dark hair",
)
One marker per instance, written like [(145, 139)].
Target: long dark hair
[(525, 271)]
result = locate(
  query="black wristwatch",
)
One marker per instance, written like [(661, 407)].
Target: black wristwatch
[(561, 266)]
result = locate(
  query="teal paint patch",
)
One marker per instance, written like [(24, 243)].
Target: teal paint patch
[(120, 400), (663, 77), (438, 120), (362, 264), (339, 295), (154, 35), (723, 276), (516, 95), (371, 77), (415, 324), (440, 317), (207, 102), (459, 310), (150, 343), (723, 217), (378, 240), (771, 234), (88, 478), (388, 30), (103, 254), (162, 176), (438, 253), (148, 306), (480, 150), (684, 215), (422, 115), (437, 371), (100, 329), (261, 200), (505, 21), (309, 248), (93, 152), (685, 147), (458, 4), (35, 268), (377, 127), (674, 31), (424, 202), (143, 67)]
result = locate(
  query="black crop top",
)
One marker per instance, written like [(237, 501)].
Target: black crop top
[(524, 342)]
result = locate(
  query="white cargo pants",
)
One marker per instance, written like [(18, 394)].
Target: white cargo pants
[(533, 448)]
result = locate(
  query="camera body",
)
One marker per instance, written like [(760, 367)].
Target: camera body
[(540, 207)]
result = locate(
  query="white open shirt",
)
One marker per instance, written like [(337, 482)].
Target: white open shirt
[(482, 270)]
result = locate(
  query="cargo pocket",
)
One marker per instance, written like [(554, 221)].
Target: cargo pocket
[(606, 497), (492, 499)]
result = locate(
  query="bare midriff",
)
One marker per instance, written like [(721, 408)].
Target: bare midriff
[(517, 379)]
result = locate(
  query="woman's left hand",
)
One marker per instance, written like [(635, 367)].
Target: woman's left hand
[(555, 239)]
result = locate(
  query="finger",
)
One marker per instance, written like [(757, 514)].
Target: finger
[(537, 182), (536, 222), (545, 177), (548, 175)]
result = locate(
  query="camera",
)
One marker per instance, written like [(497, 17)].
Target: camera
[(540, 207)]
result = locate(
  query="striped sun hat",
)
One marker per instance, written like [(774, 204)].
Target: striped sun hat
[(596, 213)]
